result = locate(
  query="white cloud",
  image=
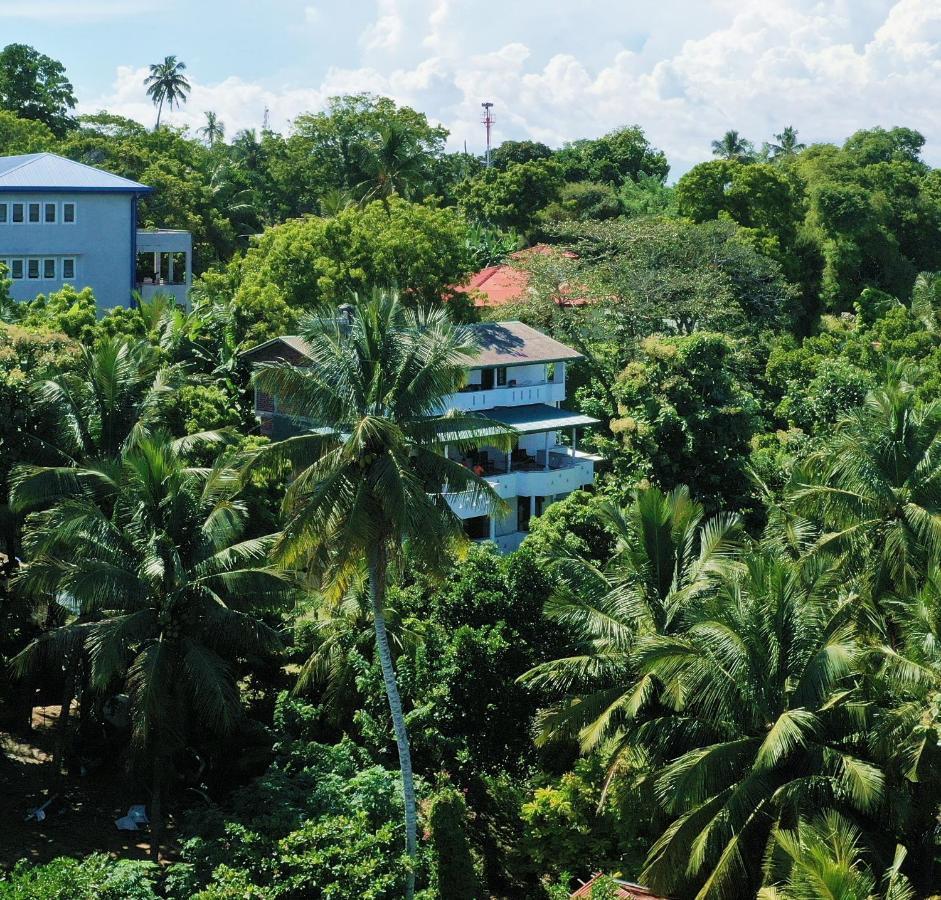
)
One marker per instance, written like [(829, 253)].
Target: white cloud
[(827, 66), (312, 15), (387, 31)]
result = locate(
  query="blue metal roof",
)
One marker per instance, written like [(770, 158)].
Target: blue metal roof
[(50, 172)]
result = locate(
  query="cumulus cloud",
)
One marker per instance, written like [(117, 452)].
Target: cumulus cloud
[(828, 67)]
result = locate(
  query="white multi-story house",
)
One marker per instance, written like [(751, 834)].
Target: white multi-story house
[(518, 378)]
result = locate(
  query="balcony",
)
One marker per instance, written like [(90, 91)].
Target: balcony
[(164, 264), (568, 471), (473, 398)]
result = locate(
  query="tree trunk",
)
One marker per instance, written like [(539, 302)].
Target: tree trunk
[(156, 811), (377, 590), (159, 111), (62, 725)]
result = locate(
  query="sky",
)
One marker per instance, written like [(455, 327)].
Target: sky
[(556, 70)]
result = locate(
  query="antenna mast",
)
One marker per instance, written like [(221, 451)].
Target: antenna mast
[(488, 125)]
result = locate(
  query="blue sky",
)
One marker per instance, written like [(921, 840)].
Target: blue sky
[(686, 70)]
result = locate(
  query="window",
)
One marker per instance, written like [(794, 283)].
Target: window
[(16, 269), (32, 269), (33, 213), (49, 213), (68, 268), (68, 213), (4, 213), (19, 213), (501, 376), (49, 269)]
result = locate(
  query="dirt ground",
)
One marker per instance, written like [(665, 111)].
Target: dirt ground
[(85, 821)]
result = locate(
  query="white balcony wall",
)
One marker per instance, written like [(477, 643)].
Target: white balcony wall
[(578, 474), (521, 395), (178, 292)]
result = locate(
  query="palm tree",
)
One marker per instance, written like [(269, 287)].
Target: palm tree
[(163, 583), (787, 144), (666, 560), (876, 488), (116, 391), (926, 301), (826, 860), (167, 84), (214, 129), (759, 725), (393, 163), (342, 626), (370, 480), (733, 146)]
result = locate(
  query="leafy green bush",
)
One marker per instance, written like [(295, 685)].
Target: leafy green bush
[(97, 877)]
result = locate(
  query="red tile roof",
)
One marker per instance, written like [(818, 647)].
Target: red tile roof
[(626, 890), (505, 284)]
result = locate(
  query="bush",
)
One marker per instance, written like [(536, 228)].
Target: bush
[(96, 877)]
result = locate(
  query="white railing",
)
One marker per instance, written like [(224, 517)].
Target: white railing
[(511, 395), (177, 291), (573, 473)]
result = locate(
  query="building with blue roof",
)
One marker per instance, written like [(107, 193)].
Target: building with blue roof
[(62, 222)]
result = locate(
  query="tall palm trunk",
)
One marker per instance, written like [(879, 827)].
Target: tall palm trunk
[(59, 753), (377, 591), (156, 810), (159, 111)]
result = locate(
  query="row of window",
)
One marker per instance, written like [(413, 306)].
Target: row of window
[(40, 268), (35, 212)]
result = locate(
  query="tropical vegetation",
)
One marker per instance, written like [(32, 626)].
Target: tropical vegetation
[(717, 673)]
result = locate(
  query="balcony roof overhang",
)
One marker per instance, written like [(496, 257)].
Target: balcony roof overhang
[(164, 240), (535, 418), (538, 417)]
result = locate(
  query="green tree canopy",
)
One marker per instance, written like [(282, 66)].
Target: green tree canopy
[(621, 155), (510, 198), (312, 262), (34, 86)]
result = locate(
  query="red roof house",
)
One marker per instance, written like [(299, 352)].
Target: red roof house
[(626, 890), (506, 284)]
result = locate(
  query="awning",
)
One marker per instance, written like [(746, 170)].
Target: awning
[(538, 417)]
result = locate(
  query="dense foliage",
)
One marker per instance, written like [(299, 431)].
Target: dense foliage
[(718, 672)]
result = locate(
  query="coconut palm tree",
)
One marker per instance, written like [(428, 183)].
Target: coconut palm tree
[(164, 584), (876, 489), (214, 129), (733, 146), (370, 477), (926, 301), (759, 725), (787, 144), (826, 859), (342, 629), (393, 163), (666, 560), (167, 84), (115, 392)]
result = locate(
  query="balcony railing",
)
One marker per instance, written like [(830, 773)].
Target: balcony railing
[(568, 471), (477, 398)]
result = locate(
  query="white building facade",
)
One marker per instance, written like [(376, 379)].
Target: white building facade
[(518, 378)]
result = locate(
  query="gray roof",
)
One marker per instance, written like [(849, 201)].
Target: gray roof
[(293, 341), (50, 172), (501, 344), (514, 344), (537, 417)]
